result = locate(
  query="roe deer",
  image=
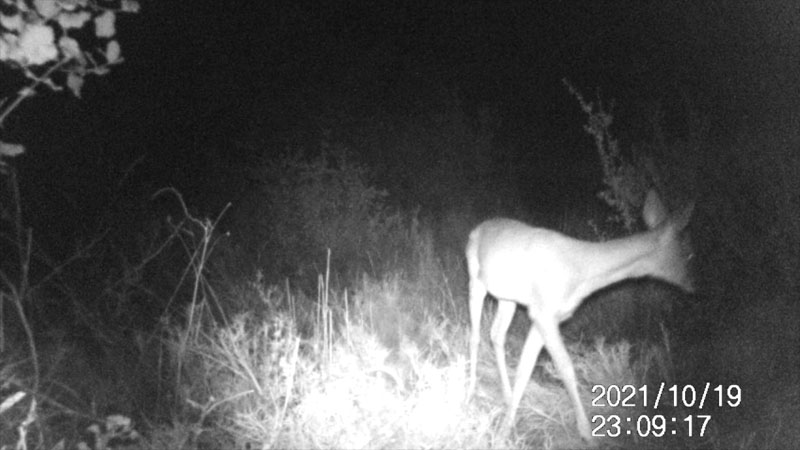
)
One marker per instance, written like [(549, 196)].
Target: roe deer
[(551, 274)]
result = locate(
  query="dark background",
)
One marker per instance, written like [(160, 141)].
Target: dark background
[(208, 85)]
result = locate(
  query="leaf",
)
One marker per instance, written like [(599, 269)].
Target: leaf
[(69, 20), (12, 23), (8, 46), (71, 5), (70, 48), (113, 51), (129, 6), (75, 83), (47, 8), (22, 6), (104, 25), (11, 150), (36, 42)]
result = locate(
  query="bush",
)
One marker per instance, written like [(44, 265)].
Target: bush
[(305, 206)]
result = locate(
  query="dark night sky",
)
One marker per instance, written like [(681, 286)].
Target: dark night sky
[(201, 76)]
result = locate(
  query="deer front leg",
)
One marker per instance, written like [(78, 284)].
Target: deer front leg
[(502, 320), (477, 295), (557, 350), (527, 361)]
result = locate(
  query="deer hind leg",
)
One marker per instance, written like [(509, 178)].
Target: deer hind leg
[(477, 295), (502, 320), (527, 361), (557, 350)]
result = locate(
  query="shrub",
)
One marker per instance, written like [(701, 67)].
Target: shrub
[(305, 206)]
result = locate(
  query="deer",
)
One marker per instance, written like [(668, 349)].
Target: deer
[(551, 274)]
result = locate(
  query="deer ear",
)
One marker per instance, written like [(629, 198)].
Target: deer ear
[(654, 212), (681, 219)]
